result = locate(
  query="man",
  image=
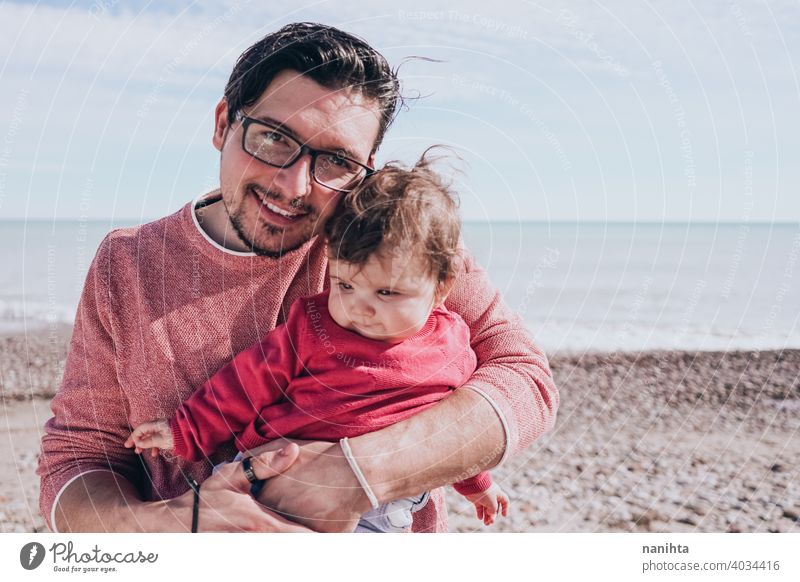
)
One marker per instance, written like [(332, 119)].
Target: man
[(167, 304)]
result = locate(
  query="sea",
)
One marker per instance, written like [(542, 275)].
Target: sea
[(577, 286)]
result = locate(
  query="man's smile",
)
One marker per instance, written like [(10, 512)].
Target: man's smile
[(274, 213)]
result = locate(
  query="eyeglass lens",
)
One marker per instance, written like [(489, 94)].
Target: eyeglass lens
[(330, 169)]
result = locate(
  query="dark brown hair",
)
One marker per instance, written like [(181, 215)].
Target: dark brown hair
[(329, 56), (401, 208)]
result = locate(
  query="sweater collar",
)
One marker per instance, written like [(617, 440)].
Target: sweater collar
[(215, 251), (204, 200)]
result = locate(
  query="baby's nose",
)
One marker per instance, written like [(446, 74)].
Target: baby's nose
[(364, 308)]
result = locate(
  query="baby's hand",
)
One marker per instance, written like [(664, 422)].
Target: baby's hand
[(489, 503), (153, 435)]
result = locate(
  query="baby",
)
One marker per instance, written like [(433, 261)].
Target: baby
[(374, 349)]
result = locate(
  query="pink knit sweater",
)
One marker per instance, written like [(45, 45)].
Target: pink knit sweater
[(164, 307)]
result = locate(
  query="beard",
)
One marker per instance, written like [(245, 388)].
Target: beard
[(262, 251), (248, 234)]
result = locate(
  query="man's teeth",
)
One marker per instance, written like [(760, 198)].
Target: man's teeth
[(280, 211)]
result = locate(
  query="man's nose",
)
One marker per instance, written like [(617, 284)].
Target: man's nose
[(295, 181)]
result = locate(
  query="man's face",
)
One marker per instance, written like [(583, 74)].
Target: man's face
[(276, 210)]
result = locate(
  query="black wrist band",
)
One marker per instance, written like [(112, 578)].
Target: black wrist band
[(196, 505)]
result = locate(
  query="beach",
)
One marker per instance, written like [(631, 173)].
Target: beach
[(648, 442)]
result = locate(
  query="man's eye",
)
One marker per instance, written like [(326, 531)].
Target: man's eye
[(340, 161), (337, 161), (273, 137)]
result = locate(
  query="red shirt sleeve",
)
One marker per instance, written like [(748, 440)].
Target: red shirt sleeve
[(234, 397), (477, 484)]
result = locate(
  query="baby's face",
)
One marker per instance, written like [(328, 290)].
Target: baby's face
[(389, 298)]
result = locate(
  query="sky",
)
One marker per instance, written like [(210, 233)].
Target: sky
[(562, 111)]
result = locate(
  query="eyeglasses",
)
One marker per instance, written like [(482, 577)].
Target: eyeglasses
[(270, 145)]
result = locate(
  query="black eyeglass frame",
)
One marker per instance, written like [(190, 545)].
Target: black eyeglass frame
[(302, 150)]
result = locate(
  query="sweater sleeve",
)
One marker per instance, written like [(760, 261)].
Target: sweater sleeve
[(90, 421), (477, 484), (513, 373), (233, 398)]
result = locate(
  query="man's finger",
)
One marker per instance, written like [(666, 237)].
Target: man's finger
[(264, 465), (271, 463)]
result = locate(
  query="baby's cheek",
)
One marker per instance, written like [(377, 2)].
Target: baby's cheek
[(337, 311), (413, 321)]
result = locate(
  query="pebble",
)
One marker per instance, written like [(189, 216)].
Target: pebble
[(792, 513), (699, 508)]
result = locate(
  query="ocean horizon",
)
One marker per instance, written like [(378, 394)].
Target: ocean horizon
[(597, 286)]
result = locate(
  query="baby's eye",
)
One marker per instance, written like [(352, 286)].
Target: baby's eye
[(387, 293), (345, 286)]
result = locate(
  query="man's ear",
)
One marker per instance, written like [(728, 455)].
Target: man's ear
[(371, 160), (220, 124)]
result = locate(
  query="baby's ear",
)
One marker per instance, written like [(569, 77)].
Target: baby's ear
[(443, 290)]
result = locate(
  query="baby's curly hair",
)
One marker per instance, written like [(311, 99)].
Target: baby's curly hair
[(399, 208)]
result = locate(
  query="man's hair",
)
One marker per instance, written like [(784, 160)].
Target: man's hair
[(399, 209), (327, 55)]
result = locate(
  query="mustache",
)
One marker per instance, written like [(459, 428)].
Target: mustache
[(267, 194)]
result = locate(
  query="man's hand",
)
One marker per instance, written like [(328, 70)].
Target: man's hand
[(319, 490), (225, 503)]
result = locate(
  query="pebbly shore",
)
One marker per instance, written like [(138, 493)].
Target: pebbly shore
[(645, 442)]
